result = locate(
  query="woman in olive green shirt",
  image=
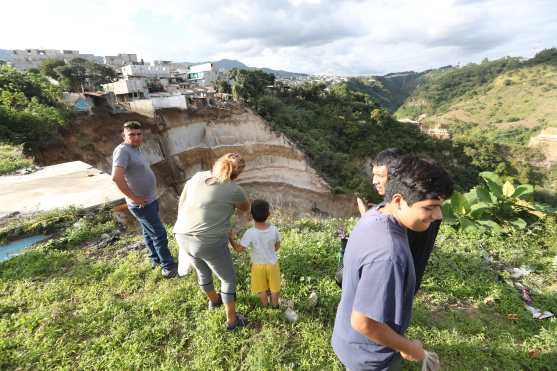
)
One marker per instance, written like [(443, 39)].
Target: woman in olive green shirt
[(202, 229)]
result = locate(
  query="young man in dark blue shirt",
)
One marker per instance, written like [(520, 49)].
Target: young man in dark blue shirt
[(379, 277), (421, 243)]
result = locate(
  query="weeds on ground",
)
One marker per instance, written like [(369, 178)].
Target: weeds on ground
[(62, 308), (12, 158)]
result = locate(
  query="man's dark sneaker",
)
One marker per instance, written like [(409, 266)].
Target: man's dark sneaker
[(169, 273), (240, 322), (217, 304)]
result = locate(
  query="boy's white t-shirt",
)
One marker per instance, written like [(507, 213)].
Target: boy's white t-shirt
[(262, 244)]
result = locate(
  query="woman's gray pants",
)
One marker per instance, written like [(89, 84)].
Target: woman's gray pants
[(209, 258)]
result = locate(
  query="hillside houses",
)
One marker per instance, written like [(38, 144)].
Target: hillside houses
[(163, 84), (25, 59), (141, 86), (198, 75)]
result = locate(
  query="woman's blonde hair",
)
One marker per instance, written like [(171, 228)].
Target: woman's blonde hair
[(228, 167)]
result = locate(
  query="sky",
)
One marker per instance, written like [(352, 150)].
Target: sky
[(340, 37)]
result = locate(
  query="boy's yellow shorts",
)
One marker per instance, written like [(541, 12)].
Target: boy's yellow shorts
[(265, 277)]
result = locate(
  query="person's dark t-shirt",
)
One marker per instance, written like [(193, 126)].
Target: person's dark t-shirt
[(379, 282), (421, 246)]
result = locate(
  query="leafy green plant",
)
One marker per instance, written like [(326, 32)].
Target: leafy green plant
[(494, 206), (30, 111), (12, 158)]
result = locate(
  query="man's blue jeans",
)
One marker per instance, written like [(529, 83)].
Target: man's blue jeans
[(154, 233)]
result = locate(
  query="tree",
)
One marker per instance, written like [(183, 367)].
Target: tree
[(48, 67), (223, 86), (81, 74), (98, 74), (249, 85), (30, 112), (73, 74)]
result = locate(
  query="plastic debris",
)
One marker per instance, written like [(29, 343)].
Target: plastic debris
[(286, 303), (555, 261), (431, 362), (525, 294), (519, 272), (291, 315), (312, 299), (80, 223), (538, 314)]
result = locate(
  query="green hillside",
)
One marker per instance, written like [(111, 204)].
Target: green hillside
[(505, 94), (341, 130), (389, 91), (521, 98)]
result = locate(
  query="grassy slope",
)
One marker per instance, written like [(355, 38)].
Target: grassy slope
[(524, 97), (85, 308)]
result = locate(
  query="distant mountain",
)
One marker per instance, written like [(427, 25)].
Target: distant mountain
[(228, 64), (6, 55), (284, 74)]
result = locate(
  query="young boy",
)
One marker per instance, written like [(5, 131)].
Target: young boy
[(264, 240), (379, 279)]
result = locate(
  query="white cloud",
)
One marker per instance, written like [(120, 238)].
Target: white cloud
[(345, 37)]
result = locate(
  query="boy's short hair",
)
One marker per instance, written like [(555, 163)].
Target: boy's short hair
[(260, 210), (418, 179), (388, 157), (132, 125)]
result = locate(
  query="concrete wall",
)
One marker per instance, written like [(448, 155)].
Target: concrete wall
[(120, 59), (24, 59), (144, 70), (151, 148), (73, 183), (126, 86), (148, 106)]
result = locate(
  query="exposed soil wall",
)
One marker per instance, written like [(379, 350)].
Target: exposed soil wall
[(178, 143)]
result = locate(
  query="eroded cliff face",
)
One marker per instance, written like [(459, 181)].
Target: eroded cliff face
[(546, 141), (180, 143)]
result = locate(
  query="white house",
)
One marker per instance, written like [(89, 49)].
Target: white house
[(145, 70), (202, 74), (127, 89)]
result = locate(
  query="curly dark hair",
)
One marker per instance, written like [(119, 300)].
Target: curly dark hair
[(260, 210), (418, 179), (388, 157)]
